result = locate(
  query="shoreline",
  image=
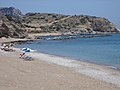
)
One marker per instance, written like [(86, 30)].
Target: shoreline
[(85, 61), (91, 70)]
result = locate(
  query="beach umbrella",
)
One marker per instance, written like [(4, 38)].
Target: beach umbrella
[(26, 49)]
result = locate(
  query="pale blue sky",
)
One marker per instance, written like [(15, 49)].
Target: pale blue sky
[(102, 8)]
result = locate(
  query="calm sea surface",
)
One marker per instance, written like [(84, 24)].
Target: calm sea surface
[(101, 50)]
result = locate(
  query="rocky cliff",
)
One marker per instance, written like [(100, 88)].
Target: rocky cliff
[(11, 27), (14, 24)]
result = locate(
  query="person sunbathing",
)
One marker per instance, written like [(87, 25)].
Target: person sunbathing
[(22, 55), (2, 46)]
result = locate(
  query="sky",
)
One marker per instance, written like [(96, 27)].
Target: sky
[(101, 8)]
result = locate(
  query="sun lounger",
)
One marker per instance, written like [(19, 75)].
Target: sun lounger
[(26, 58)]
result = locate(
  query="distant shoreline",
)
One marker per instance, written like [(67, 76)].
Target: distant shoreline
[(71, 36), (43, 36)]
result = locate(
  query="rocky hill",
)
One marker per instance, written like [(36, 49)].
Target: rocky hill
[(14, 24), (66, 24)]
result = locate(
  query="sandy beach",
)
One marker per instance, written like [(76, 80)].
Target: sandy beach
[(49, 72)]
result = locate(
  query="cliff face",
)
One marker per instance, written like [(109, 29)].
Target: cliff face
[(11, 27), (14, 24)]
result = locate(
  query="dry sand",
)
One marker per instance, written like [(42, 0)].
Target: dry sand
[(33, 35), (17, 74), (9, 39)]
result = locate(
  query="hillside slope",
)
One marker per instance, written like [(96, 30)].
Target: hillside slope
[(82, 24)]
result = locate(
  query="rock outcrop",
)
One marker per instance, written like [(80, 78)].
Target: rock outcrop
[(11, 27), (11, 11)]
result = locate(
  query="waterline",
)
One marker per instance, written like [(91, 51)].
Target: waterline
[(92, 70), (100, 50)]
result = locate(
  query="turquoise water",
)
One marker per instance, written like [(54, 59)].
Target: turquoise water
[(100, 50)]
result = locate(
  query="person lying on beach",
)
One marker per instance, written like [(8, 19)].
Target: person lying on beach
[(6, 47), (2, 46), (22, 55)]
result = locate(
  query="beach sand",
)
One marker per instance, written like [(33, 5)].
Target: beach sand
[(33, 35), (39, 74)]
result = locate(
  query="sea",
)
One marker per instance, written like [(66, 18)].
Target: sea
[(103, 50)]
